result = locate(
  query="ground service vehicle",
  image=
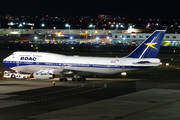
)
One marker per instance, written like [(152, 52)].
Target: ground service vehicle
[(8, 74)]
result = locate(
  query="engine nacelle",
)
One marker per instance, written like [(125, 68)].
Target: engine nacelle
[(43, 75)]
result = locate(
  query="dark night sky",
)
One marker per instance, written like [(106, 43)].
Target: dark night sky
[(134, 8)]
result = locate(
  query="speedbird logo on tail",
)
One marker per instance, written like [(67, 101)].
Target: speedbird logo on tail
[(151, 45)]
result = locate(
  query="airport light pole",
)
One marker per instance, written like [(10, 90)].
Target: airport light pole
[(94, 30), (20, 25), (92, 26), (67, 25), (117, 27)]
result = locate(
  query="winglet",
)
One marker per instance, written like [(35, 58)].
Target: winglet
[(150, 47)]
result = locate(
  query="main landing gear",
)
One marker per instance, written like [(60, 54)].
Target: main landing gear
[(78, 78), (75, 78), (62, 77)]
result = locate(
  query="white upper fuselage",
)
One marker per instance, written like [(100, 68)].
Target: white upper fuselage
[(35, 61)]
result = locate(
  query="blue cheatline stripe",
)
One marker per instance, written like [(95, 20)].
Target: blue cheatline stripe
[(12, 64)]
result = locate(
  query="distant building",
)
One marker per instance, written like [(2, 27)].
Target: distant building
[(104, 17), (170, 39)]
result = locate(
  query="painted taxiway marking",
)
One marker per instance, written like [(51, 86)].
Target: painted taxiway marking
[(8, 103), (13, 103)]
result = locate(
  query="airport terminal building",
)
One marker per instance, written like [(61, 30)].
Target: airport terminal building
[(170, 39)]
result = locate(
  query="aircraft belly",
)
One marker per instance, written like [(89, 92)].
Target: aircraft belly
[(96, 70), (34, 68)]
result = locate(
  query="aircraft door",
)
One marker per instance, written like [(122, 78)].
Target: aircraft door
[(17, 63), (64, 63), (87, 65), (122, 64), (37, 62)]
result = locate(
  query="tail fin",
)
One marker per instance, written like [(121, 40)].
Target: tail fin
[(150, 47)]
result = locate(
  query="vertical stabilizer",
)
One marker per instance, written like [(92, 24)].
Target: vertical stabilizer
[(150, 47)]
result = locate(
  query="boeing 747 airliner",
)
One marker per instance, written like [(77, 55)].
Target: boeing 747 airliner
[(46, 65)]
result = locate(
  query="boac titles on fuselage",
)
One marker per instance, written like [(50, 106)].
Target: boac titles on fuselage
[(28, 58)]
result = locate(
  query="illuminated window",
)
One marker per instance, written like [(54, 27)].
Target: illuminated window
[(121, 36)]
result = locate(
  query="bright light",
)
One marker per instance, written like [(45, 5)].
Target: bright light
[(54, 27), (67, 25), (112, 25), (59, 35), (43, 25), (160, 63), (35, 38), (91, 25), (24, 23), (117, 25), (107, 37), (167, 64), (31, 24), (11, 23), (123, 73), (97, 38), (71, 37), (122, 26), (14, 32), (20, 25), (72, 48), (124, 38), (130, 30)]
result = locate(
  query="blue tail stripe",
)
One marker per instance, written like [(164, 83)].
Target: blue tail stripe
[(150, 47)]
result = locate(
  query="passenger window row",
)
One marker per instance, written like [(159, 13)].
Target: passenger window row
[(140, 36)]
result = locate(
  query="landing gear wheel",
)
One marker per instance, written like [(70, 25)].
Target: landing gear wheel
[(62, 79), (73, 79), (83, 79), (13, 76)]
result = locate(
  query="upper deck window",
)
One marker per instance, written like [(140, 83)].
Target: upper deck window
[(24, 55)]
